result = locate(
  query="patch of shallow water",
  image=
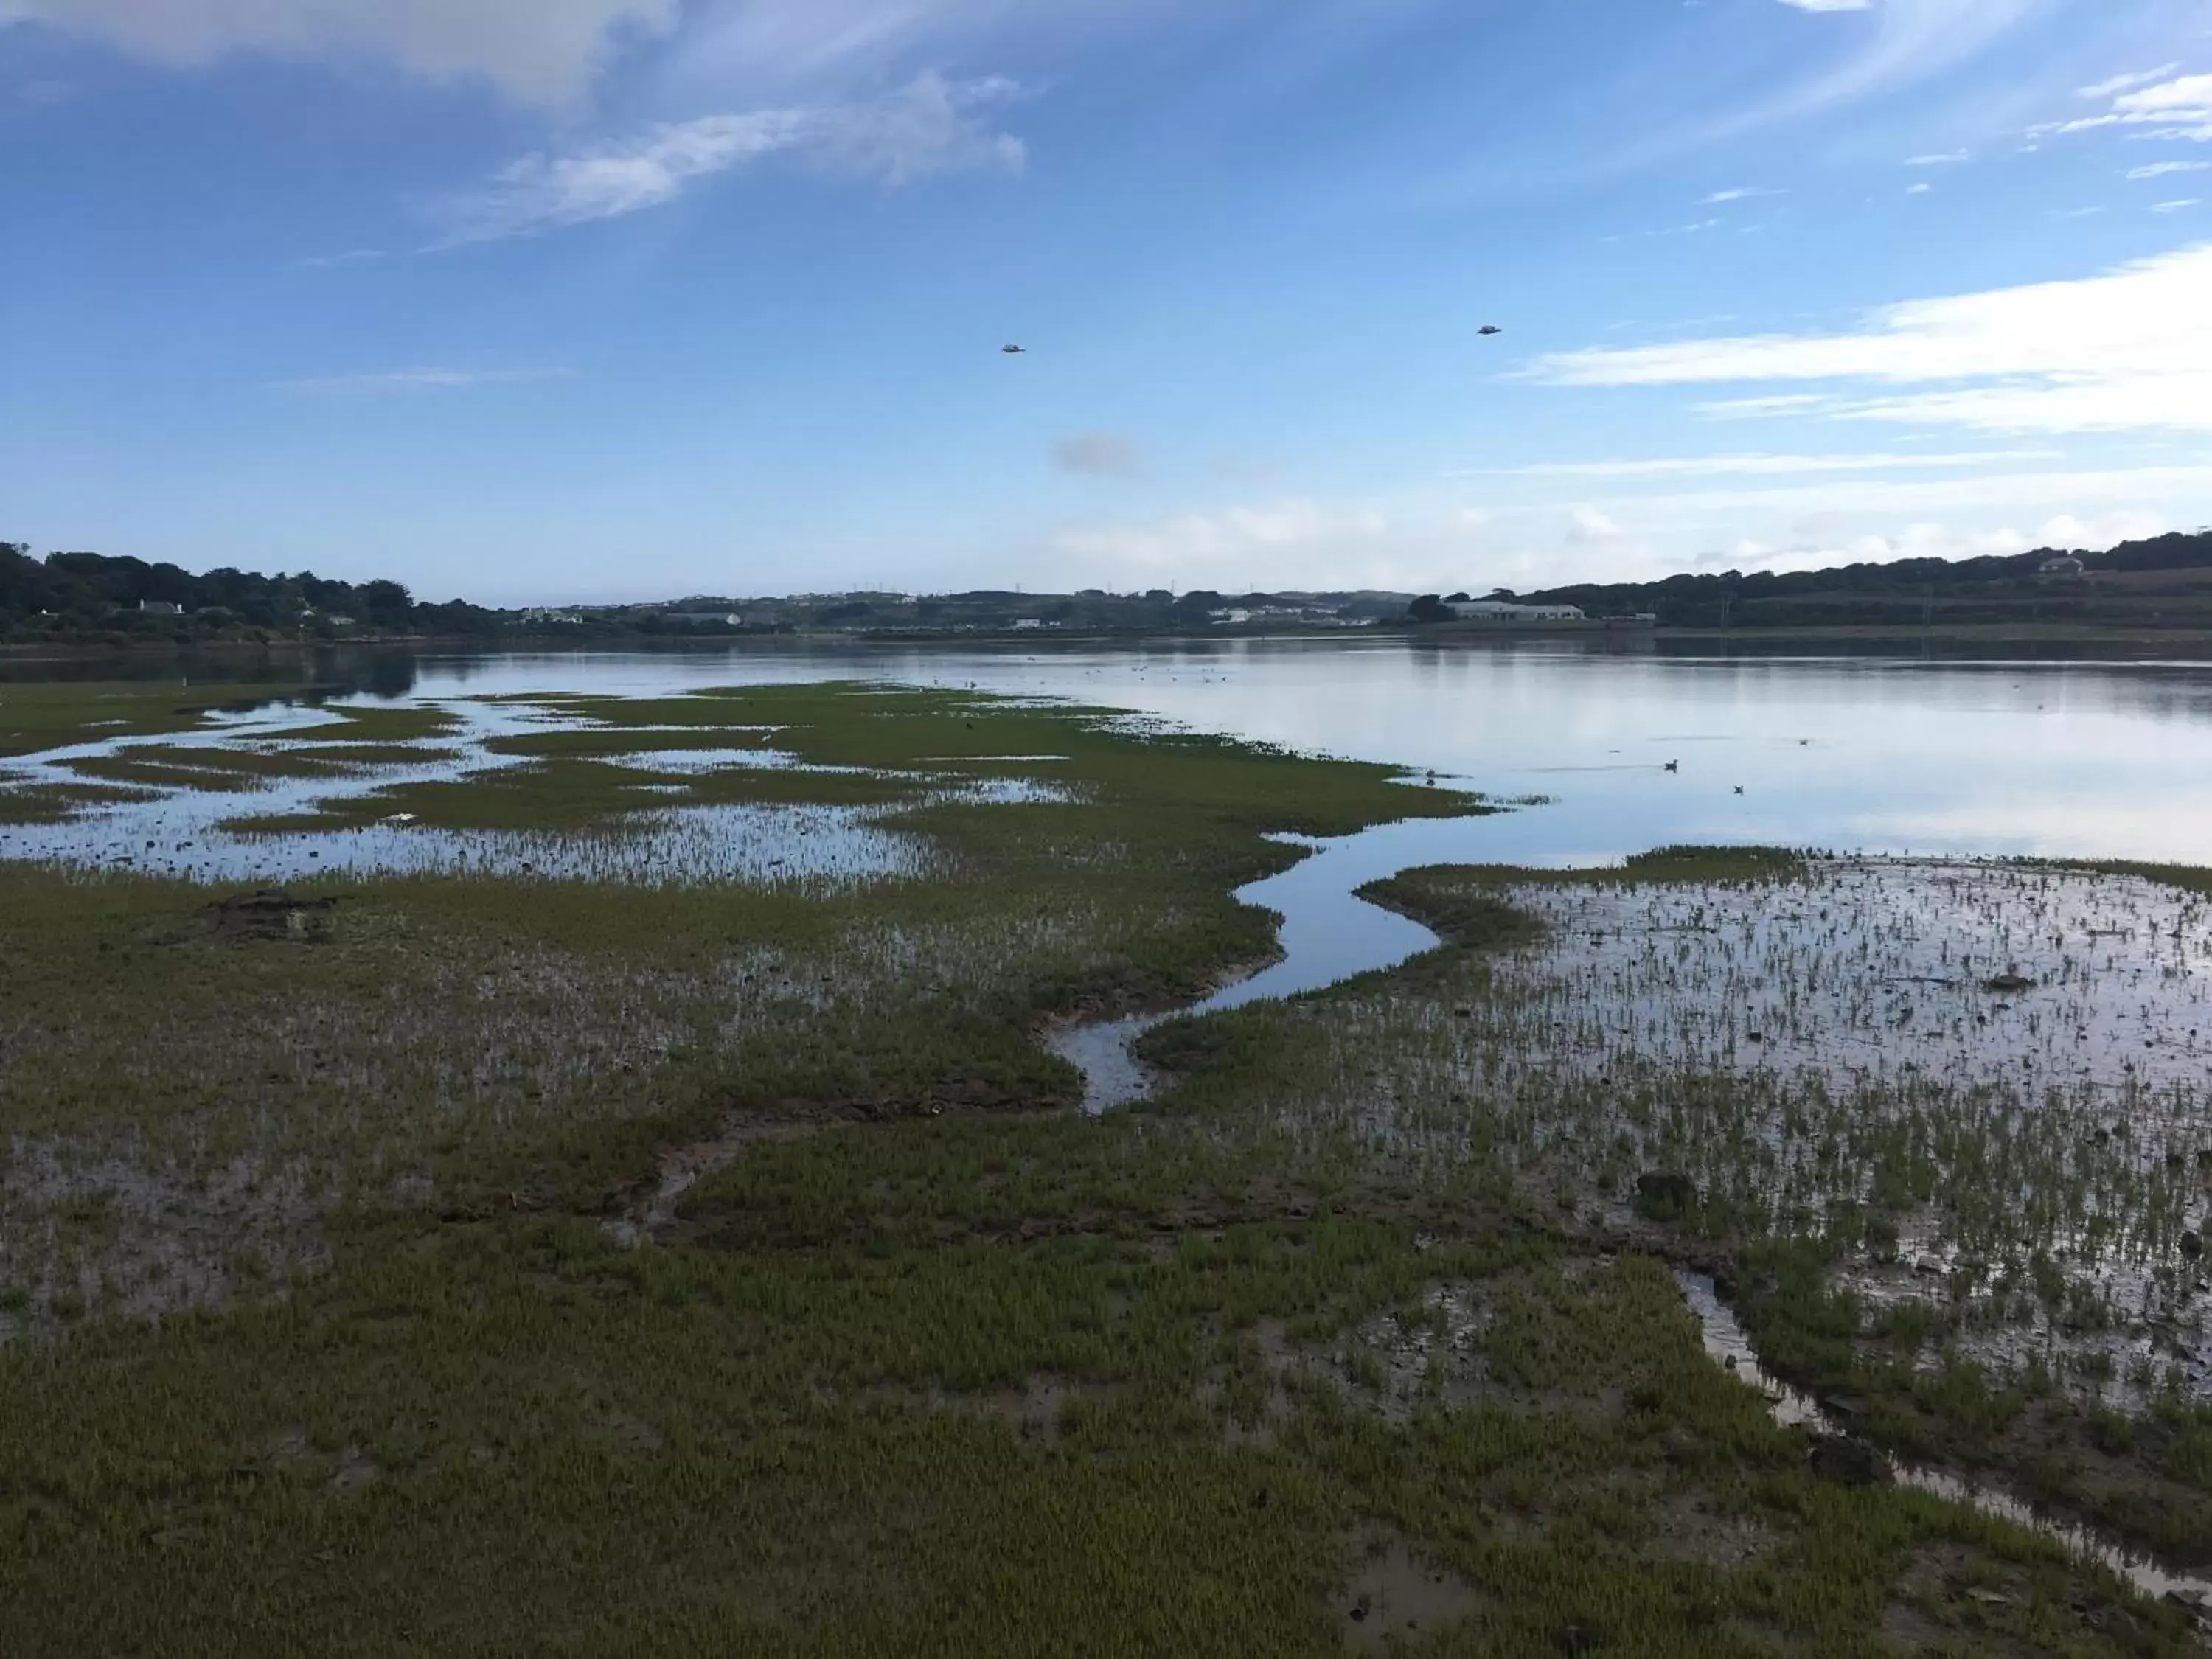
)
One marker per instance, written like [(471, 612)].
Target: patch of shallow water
[(1105, 1053), (1870, 969), (706, 762), (653, 848), (205, 835)]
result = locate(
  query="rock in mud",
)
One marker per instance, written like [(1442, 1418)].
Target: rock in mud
[(1665, 1193), (270, 914), (2009, 984), (1847, 1462)]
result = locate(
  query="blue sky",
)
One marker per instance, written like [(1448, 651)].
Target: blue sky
[(604, 299)]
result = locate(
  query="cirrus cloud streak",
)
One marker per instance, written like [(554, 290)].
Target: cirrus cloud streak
[(932, 127)]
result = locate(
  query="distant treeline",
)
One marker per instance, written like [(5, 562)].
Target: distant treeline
[(89, 598), (71, 596), (2119, 588)]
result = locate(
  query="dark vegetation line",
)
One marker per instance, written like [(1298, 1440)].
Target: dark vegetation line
[(89, 598), (2164, 582)]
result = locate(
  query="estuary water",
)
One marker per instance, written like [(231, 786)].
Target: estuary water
[(1878, 754), (1626, 750), (1919, 753)]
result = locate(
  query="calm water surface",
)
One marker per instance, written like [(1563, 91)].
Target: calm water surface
[(1874, 754)]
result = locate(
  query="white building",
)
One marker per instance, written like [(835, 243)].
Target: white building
[(1502, 610)]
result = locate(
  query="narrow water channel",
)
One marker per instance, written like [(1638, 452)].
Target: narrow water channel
[(1328, 934), (1730, 1345)]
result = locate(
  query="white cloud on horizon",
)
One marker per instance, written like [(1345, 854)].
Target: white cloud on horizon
[(1935, 539), (1429, 541), (2124, 351), (2010, 494), (931, 126), (544, 52)]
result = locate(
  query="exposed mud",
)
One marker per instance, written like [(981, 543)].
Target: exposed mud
[(1397, 1594), (648, 1213), (82, 1233)]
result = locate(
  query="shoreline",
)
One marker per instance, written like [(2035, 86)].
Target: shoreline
[(2187, 641)]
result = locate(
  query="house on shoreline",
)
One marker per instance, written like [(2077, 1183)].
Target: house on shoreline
[(1504, 615), (1508, 611)]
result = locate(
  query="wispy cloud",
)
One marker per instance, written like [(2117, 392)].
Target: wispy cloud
[(2125, 350), (2177, 108), (542, 52), (1720, 198), (1950, 158), (1761, 408), (1764, 465), (1892, 45), (2162, 169), (1098, 455), (46, 94), (933, 125), (2120, 83), (350, 256), (402, 380), (2175, 207)]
